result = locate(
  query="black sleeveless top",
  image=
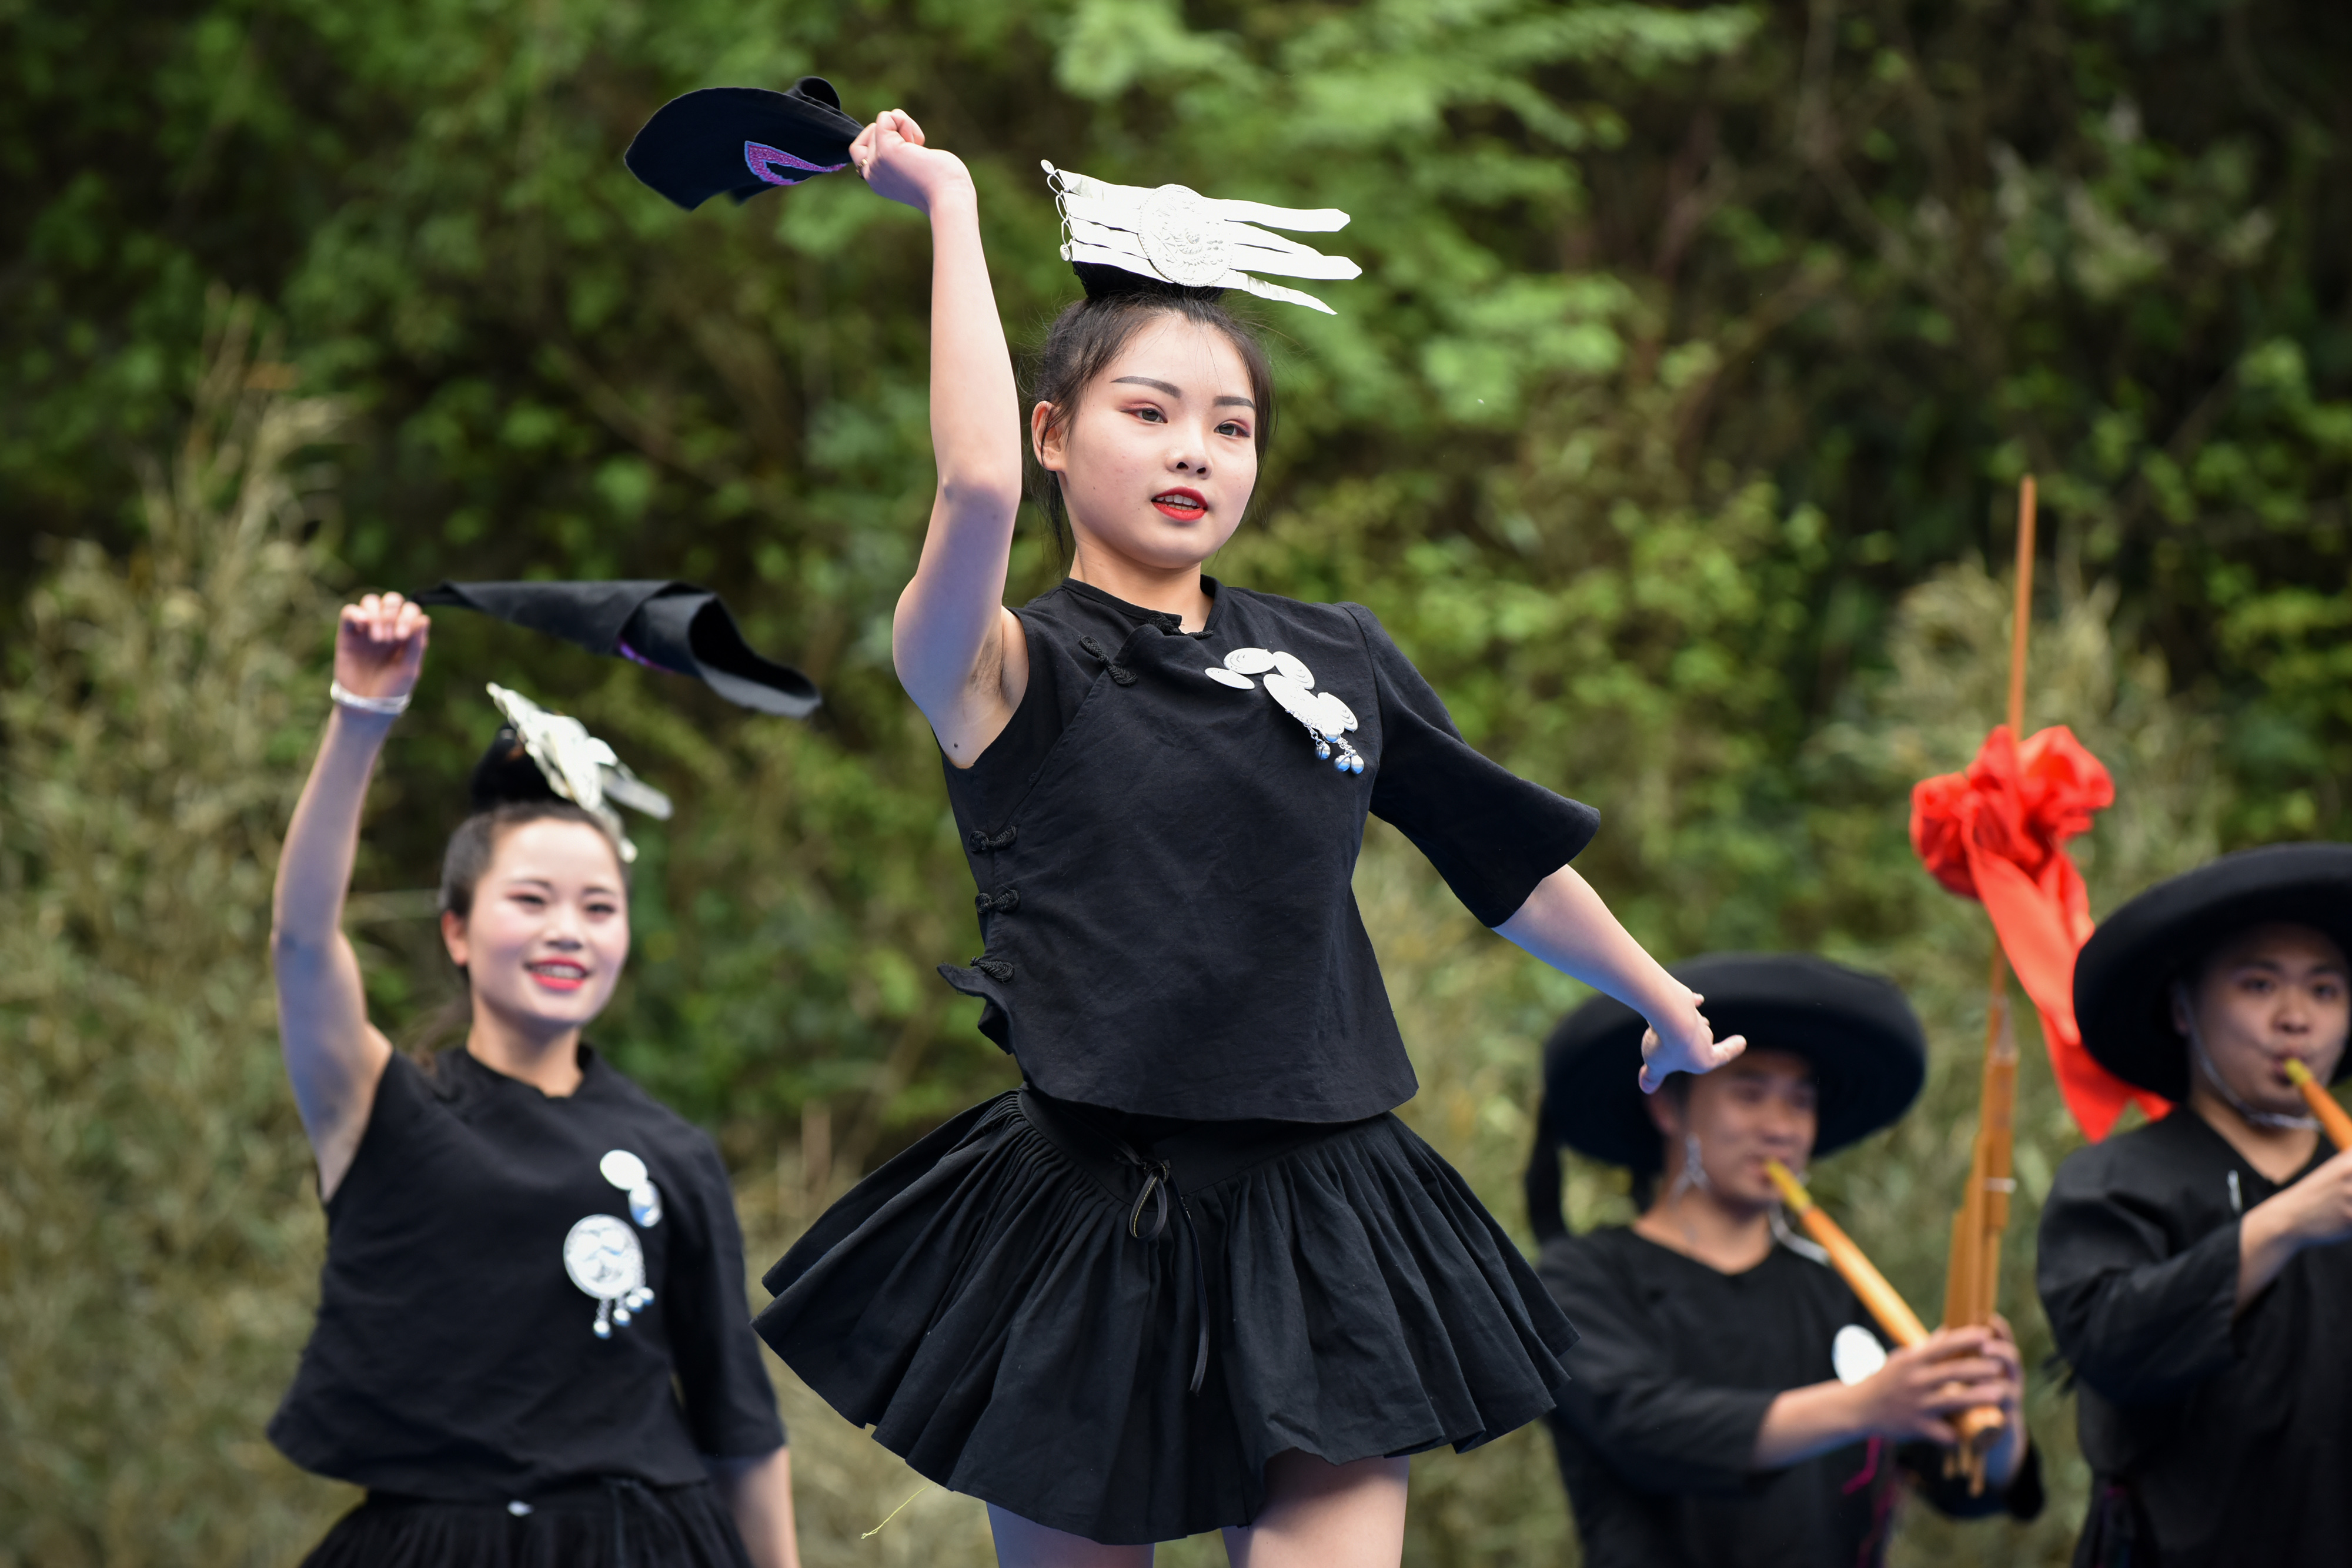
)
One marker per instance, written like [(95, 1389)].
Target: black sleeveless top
[(523, 1290), (1164, 860)]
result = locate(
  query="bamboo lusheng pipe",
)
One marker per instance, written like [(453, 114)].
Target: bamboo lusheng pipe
[(1978, 1428), (1973, 1281), (2333, 1120)]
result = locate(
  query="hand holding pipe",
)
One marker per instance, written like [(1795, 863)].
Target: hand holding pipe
[(1978, 1428)]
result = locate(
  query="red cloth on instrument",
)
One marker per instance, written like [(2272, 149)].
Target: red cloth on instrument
[(1996, 834)]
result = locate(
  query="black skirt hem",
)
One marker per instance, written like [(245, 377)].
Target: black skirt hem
[(1016, 1305), (609, 1523)]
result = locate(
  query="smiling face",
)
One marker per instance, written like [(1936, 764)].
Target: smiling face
[(1762, 1105), (2275, 992), (1157, 458), (548, 931)]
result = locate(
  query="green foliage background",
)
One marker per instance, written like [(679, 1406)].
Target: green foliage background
[(1681, 404)]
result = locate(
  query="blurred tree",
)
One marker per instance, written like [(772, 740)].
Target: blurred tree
[(158, 1233)]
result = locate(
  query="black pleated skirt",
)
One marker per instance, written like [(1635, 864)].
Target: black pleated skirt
[(1021, 1304), (597, 1524)]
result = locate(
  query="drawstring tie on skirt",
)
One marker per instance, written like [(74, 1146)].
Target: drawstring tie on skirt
[(1159, 1181)]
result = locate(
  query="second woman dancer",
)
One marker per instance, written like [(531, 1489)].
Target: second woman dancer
[(1195, 1274)]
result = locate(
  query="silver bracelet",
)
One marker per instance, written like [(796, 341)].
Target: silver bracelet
[(390, 707)]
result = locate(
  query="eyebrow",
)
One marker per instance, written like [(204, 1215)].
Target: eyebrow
[(1177, 392)]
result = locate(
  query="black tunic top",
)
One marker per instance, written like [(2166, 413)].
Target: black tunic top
[(484, 1235), (2227, 1440), (1164, 862), (1677, 1365)]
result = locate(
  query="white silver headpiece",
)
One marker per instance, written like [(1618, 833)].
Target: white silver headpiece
[(579, 767), (1177, 235)]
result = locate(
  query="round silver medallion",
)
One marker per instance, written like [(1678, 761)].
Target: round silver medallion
[(1249, 660), (1337, 717), (1295, 700), (1290, 664), (623, 1169), (604, 1259), (1181, 239), (1856, 1354), (1225, 678)]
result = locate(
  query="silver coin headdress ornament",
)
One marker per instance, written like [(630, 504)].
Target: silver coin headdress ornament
[(1176, 236), (539, 754)]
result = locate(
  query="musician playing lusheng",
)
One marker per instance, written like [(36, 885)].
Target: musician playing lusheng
[(2193, 1268), (1789, 1439)]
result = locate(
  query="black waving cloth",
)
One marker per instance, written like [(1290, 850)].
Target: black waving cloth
[(2215, 1436), (1198, 1238), (1676, 1367), (608, 1524), (980, 1302)]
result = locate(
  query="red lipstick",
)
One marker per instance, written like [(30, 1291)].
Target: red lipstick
[(1183, 503)]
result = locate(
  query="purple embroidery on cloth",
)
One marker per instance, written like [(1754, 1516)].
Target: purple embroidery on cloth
[(636, 658), (765, 161)]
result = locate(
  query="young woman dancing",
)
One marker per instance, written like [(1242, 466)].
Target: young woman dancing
[(1193, 1274), (529, 1261)]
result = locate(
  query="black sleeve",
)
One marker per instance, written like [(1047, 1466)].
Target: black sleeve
[(1949, 1493), (730, 1407), (2140, 1324), (1491, 834), (1662, 1432)]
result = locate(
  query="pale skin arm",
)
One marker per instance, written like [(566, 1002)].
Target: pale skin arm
[(2315, 1212), (1910, 1398), (959, 653), (1564, 923), (758, 1494), (334, 1056)]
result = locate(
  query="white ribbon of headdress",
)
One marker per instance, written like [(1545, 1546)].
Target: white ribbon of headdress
[(1180, 236), (582, 768)]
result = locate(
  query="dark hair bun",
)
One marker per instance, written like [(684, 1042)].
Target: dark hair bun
[(506, 774), (1105, 282)]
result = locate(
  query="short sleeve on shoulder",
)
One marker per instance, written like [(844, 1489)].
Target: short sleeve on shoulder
[(1491, 834), (730, 1406)]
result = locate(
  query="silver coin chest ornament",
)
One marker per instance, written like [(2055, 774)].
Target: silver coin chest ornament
[(603, 1255), (1289, 681)]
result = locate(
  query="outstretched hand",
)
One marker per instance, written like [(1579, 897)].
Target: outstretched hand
[(1684, 1041), (380, 646), (892, 157)]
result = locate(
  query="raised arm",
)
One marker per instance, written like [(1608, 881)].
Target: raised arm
[(959, 653), (1564, 923), (334, 1056)]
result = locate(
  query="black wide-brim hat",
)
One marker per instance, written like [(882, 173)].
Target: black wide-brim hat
[(742, 141), (673, 626), (1868, 1052), (2124, 974)]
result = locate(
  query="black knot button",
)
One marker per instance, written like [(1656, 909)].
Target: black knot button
[(981, 843), (994, 968), (1003, 902), (1118, 672)]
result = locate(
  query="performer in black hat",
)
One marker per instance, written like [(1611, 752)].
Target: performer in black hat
[(2193, 1270), (1196, 1274), (531, 1344), (1731, 1405)]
